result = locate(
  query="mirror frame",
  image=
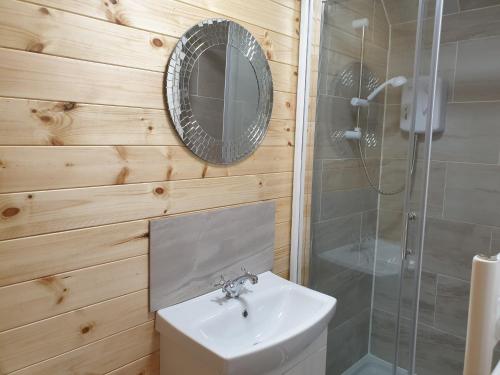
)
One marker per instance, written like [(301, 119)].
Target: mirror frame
[(189, 48)]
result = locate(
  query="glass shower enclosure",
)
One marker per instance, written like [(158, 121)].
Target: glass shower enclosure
[(402, 177)]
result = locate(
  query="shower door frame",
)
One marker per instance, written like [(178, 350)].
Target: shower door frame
[(299, 252), (422, 213)]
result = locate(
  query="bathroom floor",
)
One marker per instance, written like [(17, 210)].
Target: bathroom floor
[(371, 365)]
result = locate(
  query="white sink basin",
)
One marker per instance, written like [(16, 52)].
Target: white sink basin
[(271, 322)]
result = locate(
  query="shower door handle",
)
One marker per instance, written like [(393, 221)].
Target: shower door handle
[(405, 251)]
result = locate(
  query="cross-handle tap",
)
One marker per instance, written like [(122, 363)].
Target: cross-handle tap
[(232, 288)]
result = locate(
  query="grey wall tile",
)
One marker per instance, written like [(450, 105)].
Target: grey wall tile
[(348, 343), (390, 225), (189, 252), (383, 337), (381, 26), (331, 234), (438, 352), (351, 288), (473, 4), (343, 174), (395, 140), (402, 60), (316, 190), (386, 295), (471, 135), (450, 246), (407, 10), (452, 303), (473, 193), (369, 231), (480, 23), (340, 14), (347, 202), (393, 178), (333, 114), (478, 72)]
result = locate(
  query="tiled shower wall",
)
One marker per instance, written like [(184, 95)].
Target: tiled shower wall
[(344, 210), (463, 216)]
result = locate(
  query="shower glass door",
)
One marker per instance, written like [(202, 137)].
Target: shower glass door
[(367, 174)]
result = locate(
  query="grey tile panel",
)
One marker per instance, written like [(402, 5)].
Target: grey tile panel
[(472, 134), (351, 288), (478, 72), (452, 304), (347, 202), (386, 295), (189, 252), (472, 193), (348, 343), (437, 352), (473, 4), (450, 246), (480, 23), (344, 174), (331, 234)]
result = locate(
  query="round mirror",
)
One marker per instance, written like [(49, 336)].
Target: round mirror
[(219, 91)]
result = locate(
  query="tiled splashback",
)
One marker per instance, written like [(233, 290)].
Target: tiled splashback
[(188, 253)]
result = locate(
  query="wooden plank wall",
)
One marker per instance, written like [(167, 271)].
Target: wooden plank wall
[(88, 156)]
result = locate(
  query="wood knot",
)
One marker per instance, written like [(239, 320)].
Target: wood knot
[(68, 106), (11, 211), (287, 129), (295, 73), (114, 2), (36, 47), (290, 143), (34, 110), (288, 105), (45, 118), (170, 170), (44, 10), (260, 183), (159, 190), (157, 42), (204, 172), (30, 196), (54, 141), (122, 176), (269, 55), (150, 128), (87, 328)]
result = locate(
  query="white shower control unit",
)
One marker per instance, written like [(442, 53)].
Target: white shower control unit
[(422, 105)]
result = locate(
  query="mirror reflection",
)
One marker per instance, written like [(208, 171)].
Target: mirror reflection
[(223, 92)]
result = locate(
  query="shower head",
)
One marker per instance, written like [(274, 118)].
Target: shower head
[(394, 82), (398, 81)]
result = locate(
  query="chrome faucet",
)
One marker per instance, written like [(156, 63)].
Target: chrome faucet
[(232, 288)]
